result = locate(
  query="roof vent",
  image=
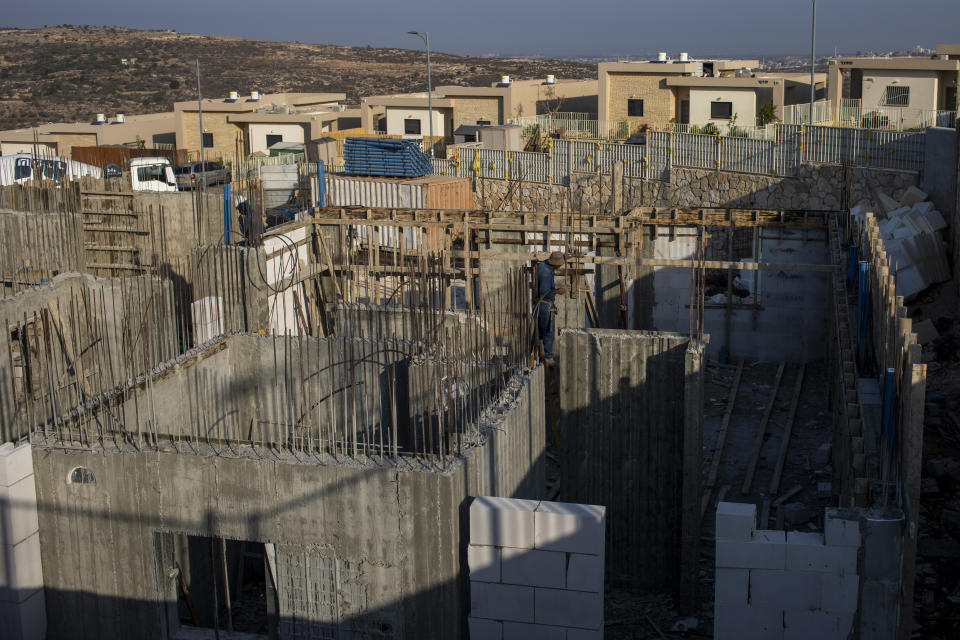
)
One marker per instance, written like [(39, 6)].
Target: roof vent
[(255, 96), (120, 118), (551, 79), (684, 57), (662, 56), (101, 118)]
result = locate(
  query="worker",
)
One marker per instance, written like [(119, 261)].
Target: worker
[(546, 308)]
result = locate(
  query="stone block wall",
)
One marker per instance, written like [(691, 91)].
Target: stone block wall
[(22, 606), (784, 585), (658, 105), (536, 569)]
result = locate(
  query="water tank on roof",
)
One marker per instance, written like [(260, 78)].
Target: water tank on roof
[(234, 95), (684, 57), (120, 118), (254, 95), (551, 79), (101, 118), (504, 79), (662, 56)]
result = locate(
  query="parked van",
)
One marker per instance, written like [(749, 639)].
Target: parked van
[(152, 174), (22, 167), (191, 175)]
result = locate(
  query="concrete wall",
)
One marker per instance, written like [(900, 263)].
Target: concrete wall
[(940, 168), (397, 526), (631, 407), (257, 134), (923, 88), (744, 105), (43, 243), (396, 116)]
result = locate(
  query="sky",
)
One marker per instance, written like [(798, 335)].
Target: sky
[(559, 28)]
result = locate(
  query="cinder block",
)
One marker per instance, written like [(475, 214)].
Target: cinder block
[(16, 463), (484, 563), (736, 521), (807, 552), (839, 593), (839, 532), (736, 622), (18, 511), (521, 631), (24, 621), (731, 586), (501, 602), (533, 568), (785, 589), (481, 629), (564, 526), (584, 634), (767, 550), (502, 522), (20, 570), (804, 625), (585, 573), (564, 608)]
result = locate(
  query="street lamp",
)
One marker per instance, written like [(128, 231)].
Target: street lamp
[(813, 37), (425, 36)]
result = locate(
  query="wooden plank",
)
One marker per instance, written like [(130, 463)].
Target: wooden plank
[(761, 431), (765, 514), (785, 443), (721, 440), (789, 494)]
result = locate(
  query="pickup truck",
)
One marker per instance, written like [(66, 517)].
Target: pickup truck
[(192, 174)]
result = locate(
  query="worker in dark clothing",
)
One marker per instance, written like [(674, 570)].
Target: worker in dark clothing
[(546, 308)]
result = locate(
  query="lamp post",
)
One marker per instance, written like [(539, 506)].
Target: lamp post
[(813, 37), (425, 36)]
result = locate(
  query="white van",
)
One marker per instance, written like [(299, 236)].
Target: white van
[(23, 167), (152, 174)]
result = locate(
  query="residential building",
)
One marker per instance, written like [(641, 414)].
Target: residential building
[(59, 138), (638, 91), (453, 106), (901, 92), (261, 130)]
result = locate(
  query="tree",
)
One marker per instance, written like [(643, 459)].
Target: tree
[(766, 114)]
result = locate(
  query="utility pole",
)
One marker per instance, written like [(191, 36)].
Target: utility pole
[(425, 36), (813, 37), (203, 172)]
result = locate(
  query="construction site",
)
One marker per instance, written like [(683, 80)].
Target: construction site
[(345, 425)]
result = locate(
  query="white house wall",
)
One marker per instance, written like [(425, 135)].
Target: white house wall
[(744, 105), (923, 88), (259, 132), (396, 116)]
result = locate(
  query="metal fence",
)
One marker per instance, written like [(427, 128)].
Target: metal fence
[(854, 114), (800, 113), (781, 152)]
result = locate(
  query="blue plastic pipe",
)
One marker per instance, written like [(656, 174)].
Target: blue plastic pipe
[(852, 266), (226, 213), (321, 186)]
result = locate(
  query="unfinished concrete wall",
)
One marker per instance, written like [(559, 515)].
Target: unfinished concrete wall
[(394, 530), (38, 246), (630, 407), (939, 168)]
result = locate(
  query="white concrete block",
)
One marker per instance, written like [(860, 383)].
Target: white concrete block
[(807, 552), (767, 550), (502, 522), (20, 570), (912, 196), (731, 586), (778, 589), (481, 629), (26, 620), (839, 593), (819, 625), (564, 526), (563, 608), (887, 203), (522, 631), (584, 573), (16, 463), (18, 511), (533, 568), (484, 563), (734, 622), (839, 532), (501, 602), (736, 521), (584, 634)]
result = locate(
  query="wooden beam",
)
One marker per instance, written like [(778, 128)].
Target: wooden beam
[(761, 431), (787, 430), (721, 440)]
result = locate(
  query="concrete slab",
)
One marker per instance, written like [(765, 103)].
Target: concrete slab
[(18, 511), (502, 522), (533, 568), (840, 532), (807, 552), (839, 593), (731, 586), (584, 572), (736, 521), (483, 563), (481, 629), (501, 602), (20, 570), (767, 550), (576, 528), (569, 608), (16, 463), (785, 589)]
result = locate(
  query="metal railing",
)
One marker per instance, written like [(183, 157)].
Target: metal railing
[(800, 113), (854, 114)]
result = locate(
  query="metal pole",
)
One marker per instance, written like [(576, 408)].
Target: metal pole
[(203, 188), (425, 36), (813, 37)]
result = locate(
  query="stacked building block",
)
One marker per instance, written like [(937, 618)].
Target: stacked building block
[(536, 570), (784, 585), (384, 157), (22, 608), (207, 319)]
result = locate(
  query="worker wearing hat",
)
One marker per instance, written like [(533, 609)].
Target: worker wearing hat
[(546, 308)]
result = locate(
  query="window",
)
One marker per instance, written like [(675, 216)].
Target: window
[(411, 125), (483, 123), (721, 110), (273, 138), (22, 169), (151, 172), (81, 475), (208, 140), (896, 96), (635, 107)]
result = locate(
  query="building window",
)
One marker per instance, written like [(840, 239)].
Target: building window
[(635, 107), (896, 96), (208, 140), (273, 138), (483, 123), (411, 125), (721, 110), (81, 475)]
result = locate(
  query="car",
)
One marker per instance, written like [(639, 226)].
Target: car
[(192, 174)]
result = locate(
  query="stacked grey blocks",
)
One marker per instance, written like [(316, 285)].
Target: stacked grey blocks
[(22, 607), (784, 585), (536, 570)]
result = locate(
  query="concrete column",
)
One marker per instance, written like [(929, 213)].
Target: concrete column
[(692, 432), (616, 187), (22, 606)]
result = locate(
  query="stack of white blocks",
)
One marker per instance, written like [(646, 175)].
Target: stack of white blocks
[(207, 318), (22, 608), (784, 585), (536, 570)]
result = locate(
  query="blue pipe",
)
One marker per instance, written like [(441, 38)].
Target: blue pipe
[(852, 266), (321, 185), (226, 213)]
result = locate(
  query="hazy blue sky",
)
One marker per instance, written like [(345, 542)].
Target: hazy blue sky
[(557, 27)]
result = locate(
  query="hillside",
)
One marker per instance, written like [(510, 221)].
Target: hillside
[(70, 73)]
